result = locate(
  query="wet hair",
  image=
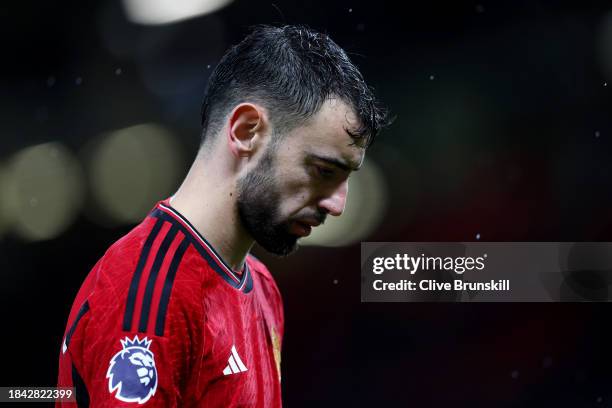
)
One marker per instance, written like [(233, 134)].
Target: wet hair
[(291, 71)]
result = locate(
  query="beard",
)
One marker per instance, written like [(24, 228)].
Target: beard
[(258, 204)]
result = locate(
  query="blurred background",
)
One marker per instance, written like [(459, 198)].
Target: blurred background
[(503, 133)]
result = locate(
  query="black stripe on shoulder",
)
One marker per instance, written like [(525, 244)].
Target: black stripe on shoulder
[(164, 216), (84, 309), (148, 296), (162, 309), (133, 292), (80, 390), (200, 248)]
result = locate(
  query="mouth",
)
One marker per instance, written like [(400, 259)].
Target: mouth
[(301, 228)]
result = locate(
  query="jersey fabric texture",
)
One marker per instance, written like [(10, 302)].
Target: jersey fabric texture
[(162, 321)]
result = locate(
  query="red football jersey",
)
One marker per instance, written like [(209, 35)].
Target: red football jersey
[(162, 321)]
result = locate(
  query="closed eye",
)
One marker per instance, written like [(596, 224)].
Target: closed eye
[(324, 172)]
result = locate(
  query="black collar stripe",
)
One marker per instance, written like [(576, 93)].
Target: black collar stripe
[(243, 283), (202, 240)]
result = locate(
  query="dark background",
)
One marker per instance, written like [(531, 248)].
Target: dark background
[(502, 134)]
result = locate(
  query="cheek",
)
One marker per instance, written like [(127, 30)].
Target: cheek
[(294, 195), (292, 203)]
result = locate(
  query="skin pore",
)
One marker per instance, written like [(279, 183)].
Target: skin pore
[(246, 187)]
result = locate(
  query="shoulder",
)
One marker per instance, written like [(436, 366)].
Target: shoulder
[(266, 285), (154, 246), (124, 252), (261, 271), (146, 278)]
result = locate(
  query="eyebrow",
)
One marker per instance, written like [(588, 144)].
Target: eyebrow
[(341, 164)]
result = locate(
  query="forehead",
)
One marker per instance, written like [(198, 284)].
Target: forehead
[(327, 133)]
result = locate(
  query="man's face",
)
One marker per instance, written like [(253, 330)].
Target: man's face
[(300, 180)]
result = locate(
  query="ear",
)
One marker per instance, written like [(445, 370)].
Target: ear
[(246, 125)]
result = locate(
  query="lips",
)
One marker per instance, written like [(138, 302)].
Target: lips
[(301, 228), (309, 222)]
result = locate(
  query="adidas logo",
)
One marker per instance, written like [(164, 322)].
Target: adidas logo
[(234, 363)]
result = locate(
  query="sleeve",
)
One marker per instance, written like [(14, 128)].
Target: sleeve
[(273, 297), (68, 375), (272, 304), (147, 365)]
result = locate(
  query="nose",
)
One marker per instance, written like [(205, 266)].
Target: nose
[(334, 203)]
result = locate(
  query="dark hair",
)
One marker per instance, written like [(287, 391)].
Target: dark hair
[(291, 70)]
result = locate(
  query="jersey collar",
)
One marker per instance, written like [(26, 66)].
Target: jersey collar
[(242, 282)]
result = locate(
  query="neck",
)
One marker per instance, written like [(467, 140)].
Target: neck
[(208, 201)]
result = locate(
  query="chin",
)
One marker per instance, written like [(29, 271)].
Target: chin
[(280, 249)]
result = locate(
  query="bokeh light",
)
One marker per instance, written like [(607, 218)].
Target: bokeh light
[(155, 12), (130, 169), (42, 191), (5, 217)]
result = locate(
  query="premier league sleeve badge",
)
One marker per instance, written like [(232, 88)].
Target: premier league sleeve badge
[(132, 372)]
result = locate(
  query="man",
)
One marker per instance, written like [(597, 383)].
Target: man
[(177, 313)]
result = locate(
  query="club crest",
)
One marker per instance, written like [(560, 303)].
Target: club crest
[(276, 348), (132, 372)]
